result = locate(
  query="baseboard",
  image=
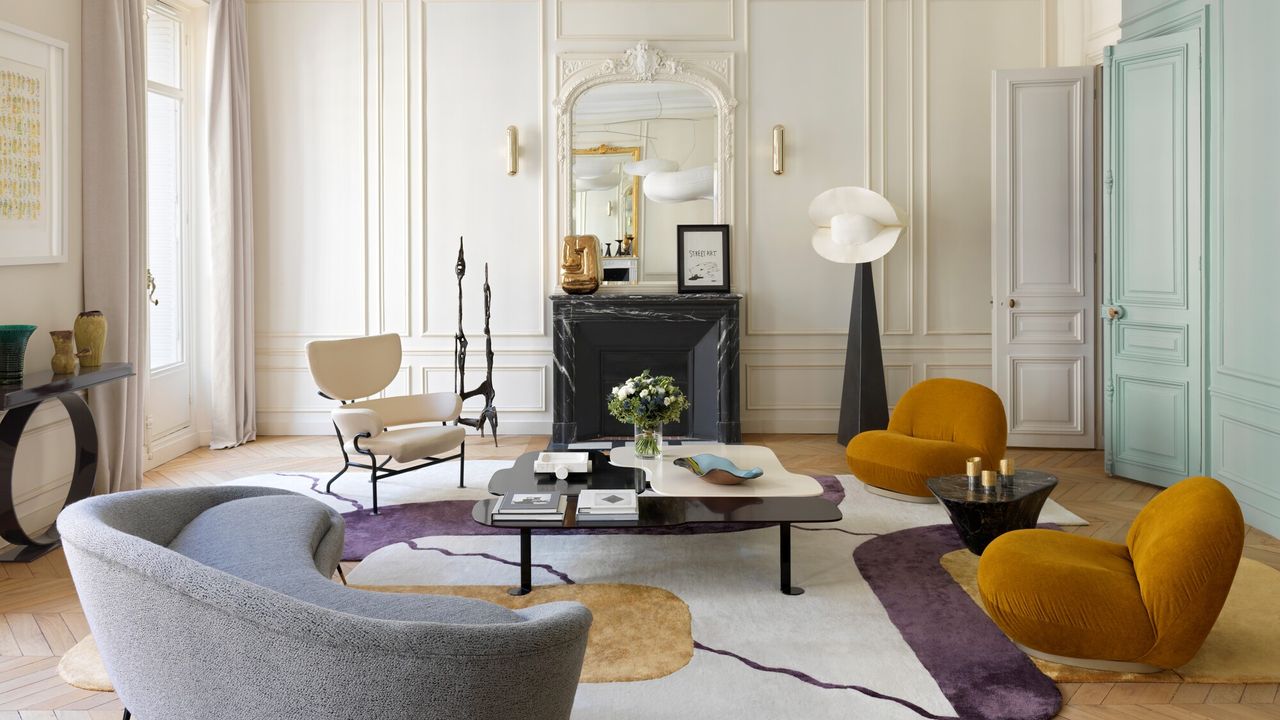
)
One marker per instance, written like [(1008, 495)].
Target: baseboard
[(316, 424), (774, 426), (172, 446), (285, 424)]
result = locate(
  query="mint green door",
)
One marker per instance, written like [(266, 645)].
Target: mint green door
[(1152, 322)]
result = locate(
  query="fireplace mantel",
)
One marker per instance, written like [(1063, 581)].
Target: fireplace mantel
[(602, 339)]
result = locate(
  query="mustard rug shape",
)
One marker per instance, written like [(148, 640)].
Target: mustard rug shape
[(1243, 647), (638, 632)]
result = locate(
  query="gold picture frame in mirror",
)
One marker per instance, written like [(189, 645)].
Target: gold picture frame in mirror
[(628, 245)]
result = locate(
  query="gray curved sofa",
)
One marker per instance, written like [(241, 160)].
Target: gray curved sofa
[(211, 603)]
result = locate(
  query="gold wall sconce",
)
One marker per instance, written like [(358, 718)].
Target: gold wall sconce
[(778, 159), (513, 150)]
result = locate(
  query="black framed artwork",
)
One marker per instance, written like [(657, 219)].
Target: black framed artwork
[(702, 258)]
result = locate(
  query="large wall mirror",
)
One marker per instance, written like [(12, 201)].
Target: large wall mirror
[(646, 144)]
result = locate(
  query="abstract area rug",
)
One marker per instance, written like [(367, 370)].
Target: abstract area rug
[(850, 647), (1243, 647)]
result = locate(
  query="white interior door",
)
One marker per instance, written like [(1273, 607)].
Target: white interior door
[(1043, 254)]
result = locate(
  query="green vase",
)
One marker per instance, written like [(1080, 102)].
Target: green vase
[(91, 337), (13, 350)]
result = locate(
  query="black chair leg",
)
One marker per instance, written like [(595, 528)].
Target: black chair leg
[(462, 465), (341, 575), (329, 487), (126, 714)]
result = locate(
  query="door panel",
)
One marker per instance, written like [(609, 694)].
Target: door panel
[(1043, 272), (1151, 264)]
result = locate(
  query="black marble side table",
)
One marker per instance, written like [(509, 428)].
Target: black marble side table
[(18, 403), (982, 515)]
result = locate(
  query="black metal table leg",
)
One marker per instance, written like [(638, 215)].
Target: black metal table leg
[(86, 468), (526, 564), (784, 557)]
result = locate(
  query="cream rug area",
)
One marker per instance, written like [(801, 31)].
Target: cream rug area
[(1243, 647), (352, 491), (82, 667)]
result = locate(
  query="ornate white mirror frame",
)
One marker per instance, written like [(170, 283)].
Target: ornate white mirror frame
[(710, 72)]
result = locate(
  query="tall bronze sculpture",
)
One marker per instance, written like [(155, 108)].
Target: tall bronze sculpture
[(485, 389)]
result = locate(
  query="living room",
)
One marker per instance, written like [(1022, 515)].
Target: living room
[(626, 358)]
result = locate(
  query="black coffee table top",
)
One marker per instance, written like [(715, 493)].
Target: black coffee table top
[(603, 476), (661, 511), (954, 489), (655, 510)]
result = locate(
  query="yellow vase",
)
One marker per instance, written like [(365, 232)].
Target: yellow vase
[(91, 337), (64, 354)]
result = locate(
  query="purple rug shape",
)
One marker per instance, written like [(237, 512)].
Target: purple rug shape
[(367, 532), (982, 673)]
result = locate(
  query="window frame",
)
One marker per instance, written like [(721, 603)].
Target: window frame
[(186, 178)]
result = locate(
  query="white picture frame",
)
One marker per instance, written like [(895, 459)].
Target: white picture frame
[(33, 147)]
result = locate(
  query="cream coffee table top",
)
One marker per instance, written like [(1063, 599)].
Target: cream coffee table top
[(667, 479)]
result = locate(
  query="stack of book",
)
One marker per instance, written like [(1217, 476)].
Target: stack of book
[(596, 506), (530, 507)]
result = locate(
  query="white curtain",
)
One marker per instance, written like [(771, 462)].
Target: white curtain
[(113, 135), (231, 239)]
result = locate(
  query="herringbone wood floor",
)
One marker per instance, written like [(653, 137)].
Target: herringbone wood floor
[(40, 617)]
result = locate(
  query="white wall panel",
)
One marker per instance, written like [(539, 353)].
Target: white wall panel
[(806, 72), (306, 64), (391, 221), (482, 61), (892, 153), (958, 155)]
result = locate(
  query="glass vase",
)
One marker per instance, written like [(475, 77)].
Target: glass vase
[(648, 441)]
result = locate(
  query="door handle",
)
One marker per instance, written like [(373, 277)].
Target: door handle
[(1013, 303), (1113, 312)]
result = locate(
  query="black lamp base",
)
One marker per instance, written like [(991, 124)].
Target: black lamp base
[(864, 404)]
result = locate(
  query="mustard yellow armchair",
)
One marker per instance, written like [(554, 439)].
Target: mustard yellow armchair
[(1143, 606), (935, 427)]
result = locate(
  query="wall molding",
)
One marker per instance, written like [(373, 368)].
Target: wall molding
[(727, 33)]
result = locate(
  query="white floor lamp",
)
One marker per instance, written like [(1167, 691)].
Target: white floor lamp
[(856, 226)]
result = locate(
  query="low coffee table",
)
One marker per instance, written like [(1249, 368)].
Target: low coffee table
[(655, 511), (982, 515)]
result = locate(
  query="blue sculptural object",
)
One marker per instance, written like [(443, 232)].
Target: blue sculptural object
[(716, 469)]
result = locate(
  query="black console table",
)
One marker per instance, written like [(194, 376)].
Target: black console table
[(601, 340), (18, 403)]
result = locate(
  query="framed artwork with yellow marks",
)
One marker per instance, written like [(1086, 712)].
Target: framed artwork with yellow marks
[(33, 147)]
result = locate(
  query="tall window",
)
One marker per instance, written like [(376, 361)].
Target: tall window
[(167, 195)]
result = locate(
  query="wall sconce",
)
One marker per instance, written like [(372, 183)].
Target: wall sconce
[(777, 150), (513, 150)]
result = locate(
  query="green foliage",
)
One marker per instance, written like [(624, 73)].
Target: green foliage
[(648, 401)]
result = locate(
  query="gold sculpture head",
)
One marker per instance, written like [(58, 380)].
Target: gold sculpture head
[(580, 267)]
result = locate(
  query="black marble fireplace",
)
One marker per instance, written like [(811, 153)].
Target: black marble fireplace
[(601, 340)]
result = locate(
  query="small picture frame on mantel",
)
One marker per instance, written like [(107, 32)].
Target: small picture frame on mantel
[(702, 258)]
